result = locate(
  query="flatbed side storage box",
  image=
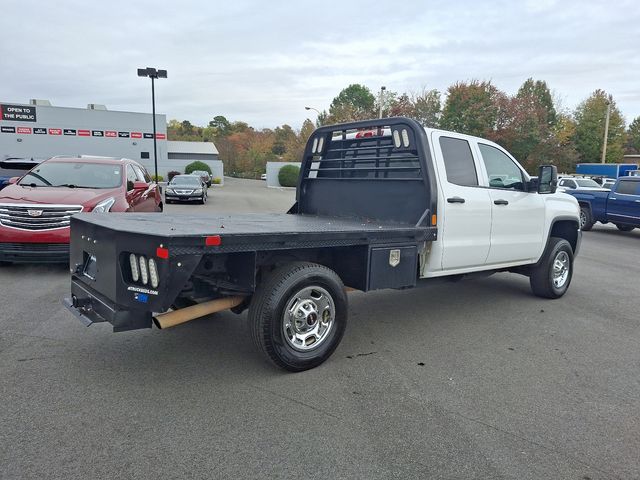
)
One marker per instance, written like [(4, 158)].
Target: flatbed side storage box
[(392, 267)]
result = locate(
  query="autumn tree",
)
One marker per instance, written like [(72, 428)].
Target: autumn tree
[(284, 137), (590, 123), (538, 96), (356, 102), (633, 137), (394, 105), (525, 123), (221, 125), (422, 106), (295, 143), (426, 107), (471, 108)]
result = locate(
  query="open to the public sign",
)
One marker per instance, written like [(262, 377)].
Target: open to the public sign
[(17, 113)]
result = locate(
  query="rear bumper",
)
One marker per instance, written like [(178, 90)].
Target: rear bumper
[(90, 307), (34, 252)]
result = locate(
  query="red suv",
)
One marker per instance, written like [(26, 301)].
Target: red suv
[(35, 210)]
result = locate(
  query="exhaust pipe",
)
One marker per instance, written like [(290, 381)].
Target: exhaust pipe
[(183, 315)]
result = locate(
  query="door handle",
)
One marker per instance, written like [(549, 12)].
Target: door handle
[(455, 200), (500, 202)]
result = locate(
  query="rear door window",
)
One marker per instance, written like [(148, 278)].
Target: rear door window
[(627, 187), (458, 162)]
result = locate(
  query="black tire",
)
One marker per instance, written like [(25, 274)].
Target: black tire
[(543, 274), (586, 219), (624, 228), (284, 288)]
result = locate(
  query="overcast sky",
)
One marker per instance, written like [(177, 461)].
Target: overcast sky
[(262, 62)]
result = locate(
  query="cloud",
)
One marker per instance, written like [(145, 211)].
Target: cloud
[(263, 62)]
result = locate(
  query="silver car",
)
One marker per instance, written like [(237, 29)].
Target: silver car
[(206, 178)]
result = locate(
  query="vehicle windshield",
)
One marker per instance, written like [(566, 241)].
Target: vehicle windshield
[(185, 180), (74, 175), (10, 172), (586, 182)]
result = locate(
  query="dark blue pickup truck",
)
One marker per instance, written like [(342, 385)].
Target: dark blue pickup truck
[(620, 206)]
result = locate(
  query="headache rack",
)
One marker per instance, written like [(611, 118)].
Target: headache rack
[(376, 169)]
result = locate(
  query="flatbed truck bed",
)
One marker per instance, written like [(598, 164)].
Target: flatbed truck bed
[(241, 232)]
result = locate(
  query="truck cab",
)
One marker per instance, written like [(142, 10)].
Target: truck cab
[(491, 217)]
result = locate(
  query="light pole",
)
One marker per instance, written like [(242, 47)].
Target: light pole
[(606, 132), (153, 73), (382, 89), (317, 117)]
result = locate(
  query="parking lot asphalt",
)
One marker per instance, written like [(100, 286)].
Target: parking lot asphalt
[(476, 379)]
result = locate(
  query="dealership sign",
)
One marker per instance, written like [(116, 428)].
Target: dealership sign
[(79, 132), (17, 113)]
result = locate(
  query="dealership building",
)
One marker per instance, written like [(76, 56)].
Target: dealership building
[(39, 130)]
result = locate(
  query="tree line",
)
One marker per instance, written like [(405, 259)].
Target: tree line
[(243, 149), (530, 124)]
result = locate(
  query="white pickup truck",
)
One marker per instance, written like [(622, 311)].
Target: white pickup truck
[(379, 204)]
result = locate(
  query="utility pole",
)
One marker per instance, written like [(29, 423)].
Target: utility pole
[(382, 89), (606, 132)]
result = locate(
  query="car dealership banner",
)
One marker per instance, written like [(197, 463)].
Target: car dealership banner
[(78, 132)]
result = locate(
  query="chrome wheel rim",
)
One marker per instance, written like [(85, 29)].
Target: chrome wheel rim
[(308, 318), (561, 266), (583, 218)]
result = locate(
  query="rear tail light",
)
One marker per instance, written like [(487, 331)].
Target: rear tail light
[(153, 273), (144, 274), (135, 273), (143, 270)]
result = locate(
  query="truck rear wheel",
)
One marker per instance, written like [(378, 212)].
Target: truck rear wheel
[(586, 219), (551, 277), (298, 315)]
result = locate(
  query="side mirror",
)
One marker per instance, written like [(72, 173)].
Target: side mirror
[(13, 180), (547, 179), (140, 186)]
